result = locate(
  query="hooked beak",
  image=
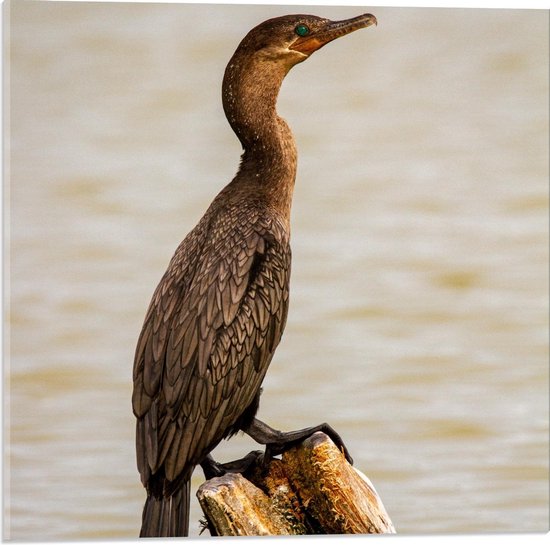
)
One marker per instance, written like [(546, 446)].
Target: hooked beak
[(332, 30)]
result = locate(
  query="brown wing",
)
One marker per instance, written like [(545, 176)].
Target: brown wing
[(208, 338)]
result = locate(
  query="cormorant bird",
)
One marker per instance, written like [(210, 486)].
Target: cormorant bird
[(219, 311)]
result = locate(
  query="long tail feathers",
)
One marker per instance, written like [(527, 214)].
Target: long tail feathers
[(167, 516)]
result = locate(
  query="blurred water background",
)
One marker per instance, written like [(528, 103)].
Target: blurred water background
[(418, 324)]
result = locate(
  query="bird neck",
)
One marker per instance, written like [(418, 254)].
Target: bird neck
[(268, 164)]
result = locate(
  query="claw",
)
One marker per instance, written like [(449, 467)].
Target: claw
[(277, 442), (213, 469)]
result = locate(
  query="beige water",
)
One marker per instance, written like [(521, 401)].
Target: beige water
[(419, 315)]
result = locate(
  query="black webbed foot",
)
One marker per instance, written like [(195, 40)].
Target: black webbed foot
[(277, 441), (213, 469)]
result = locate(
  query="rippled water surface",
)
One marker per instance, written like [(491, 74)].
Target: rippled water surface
[(419, 308)]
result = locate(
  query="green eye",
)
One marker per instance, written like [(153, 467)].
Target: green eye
[(302, 30)]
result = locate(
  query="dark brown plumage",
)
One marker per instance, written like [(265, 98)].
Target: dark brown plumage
[(219, 311)]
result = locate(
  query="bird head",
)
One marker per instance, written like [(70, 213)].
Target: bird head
[(293, 38)]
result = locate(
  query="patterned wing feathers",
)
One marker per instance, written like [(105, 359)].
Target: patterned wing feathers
[(206, 343)]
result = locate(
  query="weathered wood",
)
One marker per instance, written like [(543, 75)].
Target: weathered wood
[(235, 507), (312, 490), (336, 495)]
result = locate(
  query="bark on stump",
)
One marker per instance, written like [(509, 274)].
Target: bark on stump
[(312, 490)]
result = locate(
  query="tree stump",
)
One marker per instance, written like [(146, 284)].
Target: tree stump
[(311, 490)]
